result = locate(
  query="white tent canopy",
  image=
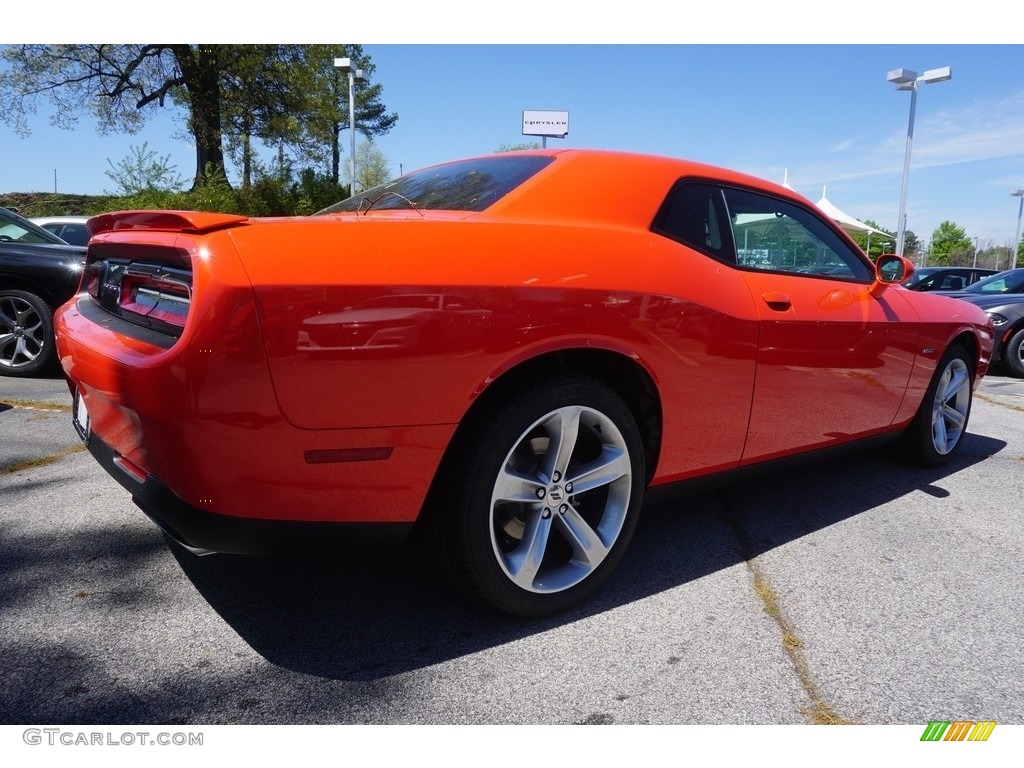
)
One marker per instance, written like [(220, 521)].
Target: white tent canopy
[(757, 222), (843, 219), (847, 222)]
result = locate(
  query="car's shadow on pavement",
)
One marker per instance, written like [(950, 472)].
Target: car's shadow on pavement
[(372, 613)]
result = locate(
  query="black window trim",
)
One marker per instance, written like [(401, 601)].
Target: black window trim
[(728, 243)]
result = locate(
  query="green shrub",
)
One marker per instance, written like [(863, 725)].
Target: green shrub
[(269, 195)]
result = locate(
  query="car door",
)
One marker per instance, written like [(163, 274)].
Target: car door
[(833, 359), (707, 323)]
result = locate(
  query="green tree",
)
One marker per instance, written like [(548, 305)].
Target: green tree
[(911, 245), (950, 246), (517, 147), (328, 114), (119, 85), (315, 191), (230, 93), (372, 166), (879, 244), (260, 100), (143, 170), (293, 98)]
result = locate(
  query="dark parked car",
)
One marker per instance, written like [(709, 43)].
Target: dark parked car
[(1009, 281), (38, 272), (945, 278), (1007, 314)]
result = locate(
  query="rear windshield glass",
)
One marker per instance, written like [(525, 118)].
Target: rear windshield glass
[(466, 185)]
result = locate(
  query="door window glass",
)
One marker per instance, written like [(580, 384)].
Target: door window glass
[(778, 236)]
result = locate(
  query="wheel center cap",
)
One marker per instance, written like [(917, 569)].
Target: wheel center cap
[(556, 494)]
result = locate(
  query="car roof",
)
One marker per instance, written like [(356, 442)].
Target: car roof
[(1004, 273), (59, 219), (6, 214), (937, 270), (614, 186)]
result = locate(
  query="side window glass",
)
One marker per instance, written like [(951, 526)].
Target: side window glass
[(694, 215), (953, 283), (778, 236), (996, 286)]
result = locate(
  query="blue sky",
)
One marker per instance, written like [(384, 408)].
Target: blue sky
[(823, 113)]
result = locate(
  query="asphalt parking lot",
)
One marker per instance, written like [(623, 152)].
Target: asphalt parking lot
[(859, 591)]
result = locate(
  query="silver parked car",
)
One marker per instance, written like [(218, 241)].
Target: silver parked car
[(70, 229)]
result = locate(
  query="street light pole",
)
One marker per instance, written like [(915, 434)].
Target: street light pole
[(346, 65), (1016, 238), (901, 226), (907, 80)]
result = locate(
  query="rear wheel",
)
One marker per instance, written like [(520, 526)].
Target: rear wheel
[(941, 421), (1013, 354), (26, 334), (538, 502)]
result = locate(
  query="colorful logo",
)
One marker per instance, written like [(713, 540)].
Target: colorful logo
[(958, 730)]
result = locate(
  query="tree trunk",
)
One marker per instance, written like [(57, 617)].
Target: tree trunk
[(199, 68), (246, 161), (335, 152)]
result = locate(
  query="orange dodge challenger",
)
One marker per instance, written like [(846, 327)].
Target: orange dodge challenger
[(504, 348)]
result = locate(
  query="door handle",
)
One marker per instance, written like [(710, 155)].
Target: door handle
[(777, 301)]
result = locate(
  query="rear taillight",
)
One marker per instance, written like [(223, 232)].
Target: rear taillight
[(152, 295), (161, 299), (93, 279)]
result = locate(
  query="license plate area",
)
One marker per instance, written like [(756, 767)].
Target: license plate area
[(80, 416)]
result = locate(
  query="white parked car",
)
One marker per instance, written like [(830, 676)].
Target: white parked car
[(70, 229)]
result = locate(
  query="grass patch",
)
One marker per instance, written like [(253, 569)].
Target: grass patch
[(791, 642), (768, 597), (819, 713), (41, 461), (38, 405), (994, 401)]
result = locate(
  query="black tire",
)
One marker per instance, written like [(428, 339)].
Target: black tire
[(512, 526), (27, 345), (941, 420), (1013, 354)]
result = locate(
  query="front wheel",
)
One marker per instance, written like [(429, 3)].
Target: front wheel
[(26, 334), (1013, 354), (941, 420), (539, 499)]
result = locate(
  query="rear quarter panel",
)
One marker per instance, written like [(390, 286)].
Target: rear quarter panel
[(542, 286)]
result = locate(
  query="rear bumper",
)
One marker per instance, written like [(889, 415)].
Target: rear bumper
[(194, 432), (203, 532)]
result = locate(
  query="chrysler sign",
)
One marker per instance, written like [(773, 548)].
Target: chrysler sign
[(542, 123)]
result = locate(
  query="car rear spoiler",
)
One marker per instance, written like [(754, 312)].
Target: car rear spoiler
[(168, 221)]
